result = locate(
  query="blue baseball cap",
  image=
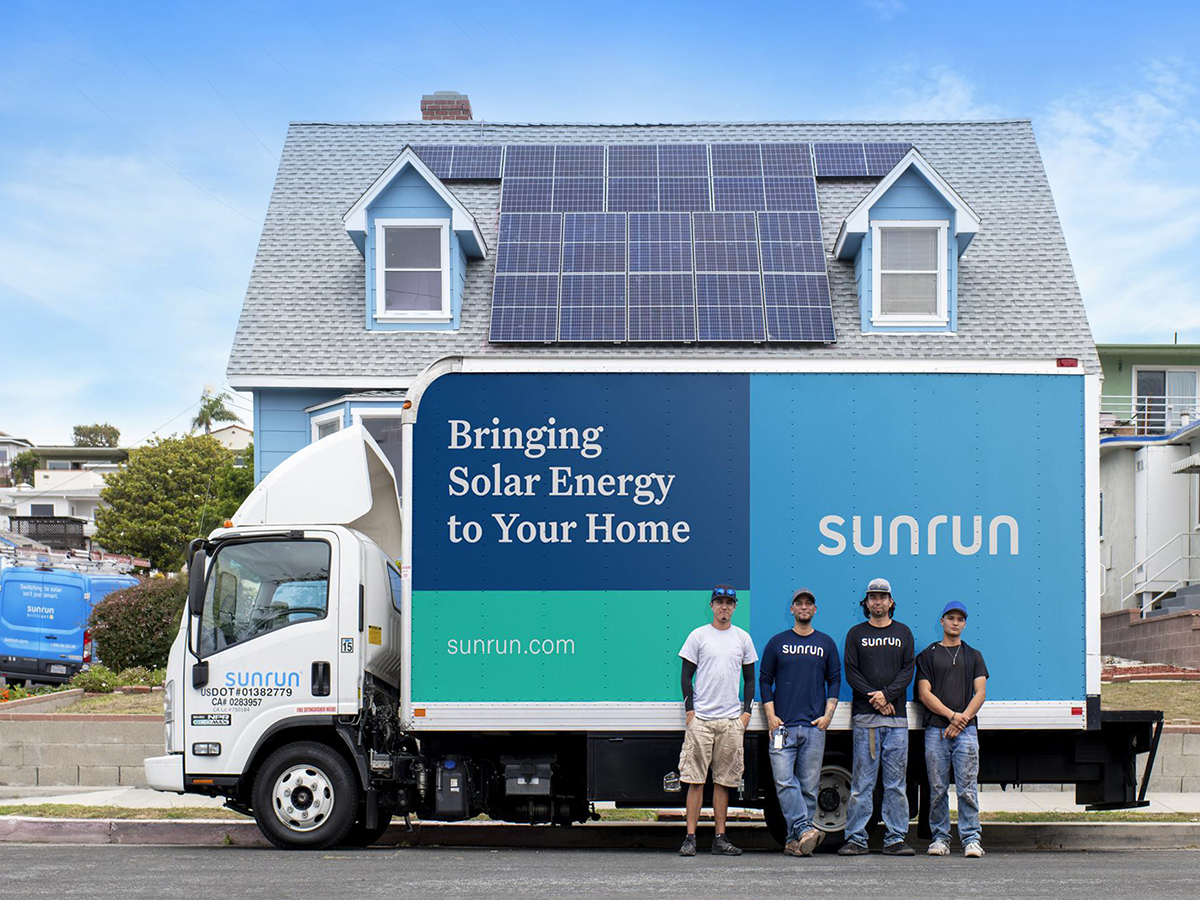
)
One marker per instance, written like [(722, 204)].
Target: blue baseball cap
[(955, 606)]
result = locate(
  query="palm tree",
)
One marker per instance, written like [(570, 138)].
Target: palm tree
[(213, 409)]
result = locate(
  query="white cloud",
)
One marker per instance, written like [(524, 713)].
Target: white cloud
[(1128, 194), (916, 93), (885, 10)]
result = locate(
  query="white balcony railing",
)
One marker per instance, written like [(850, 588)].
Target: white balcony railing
[(1146, 414)]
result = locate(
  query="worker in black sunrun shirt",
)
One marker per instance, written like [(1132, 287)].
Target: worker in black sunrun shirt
[(952, 683), (879, 667)]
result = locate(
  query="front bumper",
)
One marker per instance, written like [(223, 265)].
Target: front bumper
[(165, 773)]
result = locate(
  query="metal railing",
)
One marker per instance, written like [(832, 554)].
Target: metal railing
[(1137, 580), (1147, 414)]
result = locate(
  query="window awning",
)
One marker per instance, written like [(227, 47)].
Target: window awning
[(1187, 465)]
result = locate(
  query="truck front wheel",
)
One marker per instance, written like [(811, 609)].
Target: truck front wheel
[(305, 797)]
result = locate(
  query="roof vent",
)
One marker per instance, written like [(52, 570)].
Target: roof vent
[(446, 106)]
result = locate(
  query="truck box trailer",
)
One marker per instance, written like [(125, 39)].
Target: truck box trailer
[(500, 633)]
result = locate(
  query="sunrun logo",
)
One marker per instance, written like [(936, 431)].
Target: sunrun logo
[(40, 612), (911, 543), (262, 679)]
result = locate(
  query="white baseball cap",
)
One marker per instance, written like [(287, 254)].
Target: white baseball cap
[(879, 586)]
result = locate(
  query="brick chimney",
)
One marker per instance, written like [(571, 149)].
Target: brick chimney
[(446, 106)]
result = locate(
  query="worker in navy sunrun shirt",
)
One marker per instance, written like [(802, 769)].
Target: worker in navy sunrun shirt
[(800, 677)]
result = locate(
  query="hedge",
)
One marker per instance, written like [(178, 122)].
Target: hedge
[(136, 626)]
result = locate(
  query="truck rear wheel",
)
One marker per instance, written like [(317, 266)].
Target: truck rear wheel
[(305, 797), (360, 835)]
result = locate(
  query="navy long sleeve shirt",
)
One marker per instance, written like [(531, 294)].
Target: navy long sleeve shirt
[(798, 674)]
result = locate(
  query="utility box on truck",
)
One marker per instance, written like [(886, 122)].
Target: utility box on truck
[(516, 637)]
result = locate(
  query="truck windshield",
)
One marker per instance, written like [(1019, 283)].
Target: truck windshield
[(260, 587)]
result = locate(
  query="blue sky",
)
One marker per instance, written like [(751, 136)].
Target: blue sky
[(139, 142)]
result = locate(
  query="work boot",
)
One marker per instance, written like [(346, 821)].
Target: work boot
[(688, 847), (851, 849), (722, 847), (810, 841), (792, 848), (899, 849)]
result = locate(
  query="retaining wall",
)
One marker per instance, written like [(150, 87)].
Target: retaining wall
[(1173, 639), (49, 749)]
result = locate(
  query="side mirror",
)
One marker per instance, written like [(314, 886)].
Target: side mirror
[(196, 579)]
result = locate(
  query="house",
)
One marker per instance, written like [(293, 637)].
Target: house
[(60, 506), (235, 437), (10, 448), (388, 246), (1149, 481)]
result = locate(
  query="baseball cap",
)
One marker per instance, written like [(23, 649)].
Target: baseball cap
[(723, 590), (804, 592), (879, 586), (955, 605)]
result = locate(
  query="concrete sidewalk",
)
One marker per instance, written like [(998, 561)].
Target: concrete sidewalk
[(140, 798)]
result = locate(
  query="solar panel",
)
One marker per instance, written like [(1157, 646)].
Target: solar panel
[(527, 258), (683, 194), (525, 161), (633, 161), (592, 308), (578, 194), (840, 160), (682, 160), (660, 256), (792, 256), (736, 160), (594, 227), (791, 194), (729, 308), (795, 281), (632, 194), (534, 227), (525, 308), (661, 227), (787, 160), (593, 257), (578, 161), (662, 308), (726, 256), (882, 158), (738, 193), (481, 162), (800, 323), (803, 290), (724, 226), (437, 157), (527, 194), (774, 226)]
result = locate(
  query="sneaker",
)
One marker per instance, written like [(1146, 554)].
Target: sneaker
[(722, 847), (810, 840), (688, 847), (899, 849), (853, 850), (973, 850), (938, 848), (792, 848)]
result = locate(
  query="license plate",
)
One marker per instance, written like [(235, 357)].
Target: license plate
[(58, 670)]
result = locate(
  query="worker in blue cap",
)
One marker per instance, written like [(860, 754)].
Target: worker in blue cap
[(952, 683)]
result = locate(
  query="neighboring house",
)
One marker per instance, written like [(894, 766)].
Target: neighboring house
[(60, 506), (235, 437), (1149, 481), (10, 448), (389, 246)]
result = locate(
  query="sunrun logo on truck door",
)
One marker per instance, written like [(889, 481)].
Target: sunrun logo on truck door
[(896, 545)]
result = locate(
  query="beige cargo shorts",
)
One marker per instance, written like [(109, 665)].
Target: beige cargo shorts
[(715, 743)]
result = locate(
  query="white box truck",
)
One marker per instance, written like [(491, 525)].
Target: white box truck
[(500, 634)]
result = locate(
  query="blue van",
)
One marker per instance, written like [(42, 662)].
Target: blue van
[(43, 620)]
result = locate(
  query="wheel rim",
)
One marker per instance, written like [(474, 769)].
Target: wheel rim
[(833, 799), (302, 798)]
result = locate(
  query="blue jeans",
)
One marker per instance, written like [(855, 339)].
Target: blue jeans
[(797, 771), (963, 752), (891, 752)]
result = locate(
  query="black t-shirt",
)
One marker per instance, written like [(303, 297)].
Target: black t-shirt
[(951, 673), (879, 659)]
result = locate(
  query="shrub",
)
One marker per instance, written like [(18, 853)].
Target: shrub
[(141, 675), (98, 679), (135, 626)]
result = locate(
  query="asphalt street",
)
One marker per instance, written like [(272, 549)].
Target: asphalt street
[(130, 873)]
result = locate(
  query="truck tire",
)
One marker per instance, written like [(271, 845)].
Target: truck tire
[(361, 836), (305, 797)]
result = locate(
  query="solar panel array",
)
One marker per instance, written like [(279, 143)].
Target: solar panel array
[(667, 243)]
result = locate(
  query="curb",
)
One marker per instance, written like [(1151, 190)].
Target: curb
[(1000, 836)]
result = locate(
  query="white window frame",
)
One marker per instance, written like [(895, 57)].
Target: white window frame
[(324, 419), (377, 412), (444, 314), (878, 317)]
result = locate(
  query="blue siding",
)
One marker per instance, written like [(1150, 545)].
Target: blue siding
[(281, 426), (411, 197), (911, 197)]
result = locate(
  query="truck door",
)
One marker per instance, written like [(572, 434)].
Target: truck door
[(268, 633)]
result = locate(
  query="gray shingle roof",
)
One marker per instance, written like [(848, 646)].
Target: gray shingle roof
[(304, 312)]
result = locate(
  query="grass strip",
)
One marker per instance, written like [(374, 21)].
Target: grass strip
[(79, 811)]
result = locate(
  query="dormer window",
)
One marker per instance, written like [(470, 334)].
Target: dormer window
[(412, 271), (909, 262)]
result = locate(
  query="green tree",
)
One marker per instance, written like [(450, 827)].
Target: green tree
[(233, 483), (97, 435), (23, 466), (165, 495), (213, 409)]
